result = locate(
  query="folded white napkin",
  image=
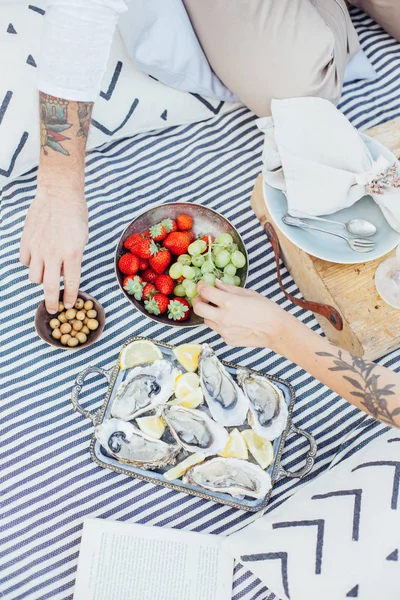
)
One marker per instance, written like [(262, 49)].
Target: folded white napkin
[(316, 157)]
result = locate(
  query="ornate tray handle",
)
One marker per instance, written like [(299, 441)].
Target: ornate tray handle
[(310, 456), (76, 390)]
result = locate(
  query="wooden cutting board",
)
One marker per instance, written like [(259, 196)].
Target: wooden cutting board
[(371, 328)]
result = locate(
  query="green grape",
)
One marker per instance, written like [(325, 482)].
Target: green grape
[(186, 283), (175, 271), (179, 290), (228, 279), (230, 269), (237, 281), (188, 272), (197, 247), (197, 274), (198, 259), (238, 259), (207, 267), (209, 278), (185, 259), (217, 249), (224, 238), (222, 259), (190, 289)]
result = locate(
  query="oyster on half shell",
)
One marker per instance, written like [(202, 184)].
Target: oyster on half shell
[(194, 430), (233, 476), (145, 388), (268, 411), (227, 403), (129, 445)]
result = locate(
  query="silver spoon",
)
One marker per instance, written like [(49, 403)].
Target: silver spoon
[(354, 226), (356, 244)]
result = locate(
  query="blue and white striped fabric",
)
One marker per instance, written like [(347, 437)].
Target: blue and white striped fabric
[(49, 484)]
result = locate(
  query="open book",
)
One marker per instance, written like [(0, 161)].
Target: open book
[(123, 561)]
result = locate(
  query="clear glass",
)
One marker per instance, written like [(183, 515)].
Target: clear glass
[(387, 280)]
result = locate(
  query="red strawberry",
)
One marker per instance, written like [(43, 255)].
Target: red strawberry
[(180, 279), (128, 264), (146, 234), (184, 222), (191, 236), (145, 248), (149, 275), (134, 286), (148, 291), (143, 264), (169, 225), (157, 305), (158, 232), (178, 309), (177, 242), (132, 240), (165, 284), (160, 261)]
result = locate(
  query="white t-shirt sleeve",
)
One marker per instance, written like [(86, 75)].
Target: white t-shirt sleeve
[(76, 42)]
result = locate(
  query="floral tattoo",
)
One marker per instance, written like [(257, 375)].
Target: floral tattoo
[(55, 120), (366, 386)]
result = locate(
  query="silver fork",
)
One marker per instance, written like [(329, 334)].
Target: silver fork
[(356, 244)]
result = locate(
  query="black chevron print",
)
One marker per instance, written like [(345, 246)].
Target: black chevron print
[(11, 28), (396, 476), (320, 524), (357, 506), (213, 109), (112, 131), (393, 555), (4, 105), (282, 556), (393, 440), (31, 61), (353, 593), (37, 9), (117, 72), (164, 115), (22, 142)]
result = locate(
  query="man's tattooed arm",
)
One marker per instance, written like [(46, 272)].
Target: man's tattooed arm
[(367, 384), (60, 121)]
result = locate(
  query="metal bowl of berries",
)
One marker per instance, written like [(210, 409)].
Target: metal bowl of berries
[(167, 249)]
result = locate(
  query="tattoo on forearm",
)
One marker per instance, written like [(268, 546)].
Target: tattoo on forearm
[(84, 115), (365, 382), (53, 122)]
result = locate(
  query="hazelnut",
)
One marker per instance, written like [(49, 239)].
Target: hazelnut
[(70, 314), (80, 315), (64, 338), (79, 303), (81, 337), (62, 318), (56, 333), (72, 342), (54, 323), (88, 305), (65, 328), (91, 314), (92, 324)]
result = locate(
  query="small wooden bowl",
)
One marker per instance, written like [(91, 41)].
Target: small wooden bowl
[(43, 318)]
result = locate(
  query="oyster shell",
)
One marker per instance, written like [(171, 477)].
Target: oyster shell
[(194, 430), (145, 388), (129, 445), (227, 403), (232, 476), (268, 411)]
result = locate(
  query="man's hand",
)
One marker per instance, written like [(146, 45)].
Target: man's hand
[(53, 241)]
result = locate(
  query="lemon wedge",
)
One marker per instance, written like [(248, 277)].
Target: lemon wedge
[(188, 356), (236, 446), (152, 426), (181, 468), (139, 352), (191, 400), (261, 449), (185, 384)]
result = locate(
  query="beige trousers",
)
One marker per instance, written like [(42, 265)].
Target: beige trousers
[(264, 49)]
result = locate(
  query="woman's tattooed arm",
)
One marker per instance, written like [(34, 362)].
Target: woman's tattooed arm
[(367, 384)]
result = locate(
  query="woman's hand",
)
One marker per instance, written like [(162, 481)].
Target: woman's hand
[(53, 241), (242, 317)]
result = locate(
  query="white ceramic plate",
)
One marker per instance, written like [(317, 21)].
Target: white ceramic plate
[(334, 249)]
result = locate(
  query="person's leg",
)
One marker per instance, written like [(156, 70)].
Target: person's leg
[(264, 49), (384, 12)]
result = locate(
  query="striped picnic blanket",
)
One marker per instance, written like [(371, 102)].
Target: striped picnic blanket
[(48, 482)]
